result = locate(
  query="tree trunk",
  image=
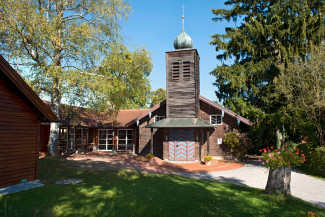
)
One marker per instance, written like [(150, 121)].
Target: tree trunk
[(55, 126), (279, 181)]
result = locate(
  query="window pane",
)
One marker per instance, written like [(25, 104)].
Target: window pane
[(102, 147), (213, 119), (122, 134), (130, 134), (122, 141), (219, 119)]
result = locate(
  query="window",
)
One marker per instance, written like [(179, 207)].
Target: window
[(158, 118), (186, 69), (175, 70), (81, 138), (215, 119), (105, 140), (125, 140), (63, 139)]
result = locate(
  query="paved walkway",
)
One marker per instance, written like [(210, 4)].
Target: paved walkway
[(252, 174)]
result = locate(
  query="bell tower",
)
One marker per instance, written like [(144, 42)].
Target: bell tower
[(183, 78)]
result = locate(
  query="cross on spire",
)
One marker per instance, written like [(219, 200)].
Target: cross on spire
[(183, 18)]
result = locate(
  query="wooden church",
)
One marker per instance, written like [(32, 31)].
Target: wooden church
[(184, 127)]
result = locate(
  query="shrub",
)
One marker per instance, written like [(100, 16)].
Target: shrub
[(150, 155), (273, 158), (208, 158), (315, 157), (239, 144)]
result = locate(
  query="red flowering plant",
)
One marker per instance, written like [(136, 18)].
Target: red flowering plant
[(273, 158)]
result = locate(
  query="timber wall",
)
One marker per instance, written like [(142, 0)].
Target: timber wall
[(144, 135), (182, 92), (229, 124), (19, 127)]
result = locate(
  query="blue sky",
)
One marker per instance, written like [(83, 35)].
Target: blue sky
[(155, 24)]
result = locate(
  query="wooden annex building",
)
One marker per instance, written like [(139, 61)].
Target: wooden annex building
[(21, 112), (184, 127)]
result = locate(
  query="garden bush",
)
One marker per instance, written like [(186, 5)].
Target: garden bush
[(238, 144), (315, 159)]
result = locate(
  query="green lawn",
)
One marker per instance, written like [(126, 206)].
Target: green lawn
[(130, 193)]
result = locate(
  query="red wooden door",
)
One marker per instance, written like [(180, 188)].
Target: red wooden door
[(181, 145)]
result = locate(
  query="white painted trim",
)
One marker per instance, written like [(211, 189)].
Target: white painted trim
[(216, 115), (106, 139), (126, 138)]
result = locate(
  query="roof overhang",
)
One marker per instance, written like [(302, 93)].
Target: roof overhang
[(180, 123)]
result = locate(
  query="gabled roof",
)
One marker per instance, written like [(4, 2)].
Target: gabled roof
[(26, 90), (73, 115), (203, 99), (146, 113), (227, 111)]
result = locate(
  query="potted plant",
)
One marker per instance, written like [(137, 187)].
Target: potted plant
[(279, 162), (150, 157), (208, 159)]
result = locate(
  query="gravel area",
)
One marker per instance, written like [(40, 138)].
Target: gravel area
[(255, 175)]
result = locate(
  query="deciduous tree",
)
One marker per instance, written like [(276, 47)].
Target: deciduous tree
[(73, 50)]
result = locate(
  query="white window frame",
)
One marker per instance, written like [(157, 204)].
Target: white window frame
[(216, 116), (126, 139), (158, 118), (106, 139), (72, 134)]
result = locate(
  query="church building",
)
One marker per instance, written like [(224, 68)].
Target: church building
[(184, 127)]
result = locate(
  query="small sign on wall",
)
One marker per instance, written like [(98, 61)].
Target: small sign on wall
[(219, 141)]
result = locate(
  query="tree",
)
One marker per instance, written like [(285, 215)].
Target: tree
[(157, 96), (302, 82), (73, 50), (269, 33)]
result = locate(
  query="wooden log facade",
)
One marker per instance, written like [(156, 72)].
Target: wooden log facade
[(21, 112)]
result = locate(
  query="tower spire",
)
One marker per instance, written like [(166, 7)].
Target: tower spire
[(183, 40), (183, 19)]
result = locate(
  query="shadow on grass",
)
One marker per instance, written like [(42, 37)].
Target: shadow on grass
[(131, 193)]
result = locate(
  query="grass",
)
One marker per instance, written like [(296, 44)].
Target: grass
[(130, 193), (313, 172)]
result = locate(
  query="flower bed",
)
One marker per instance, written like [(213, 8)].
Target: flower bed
[(274, 158)]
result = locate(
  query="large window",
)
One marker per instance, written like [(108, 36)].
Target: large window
[(105, 140), (125, 140), (81, 138), (215, 119)]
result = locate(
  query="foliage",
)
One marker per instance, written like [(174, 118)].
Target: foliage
[(157, 96), (239, 144), (208, 158), (149, 156), (130, 193), (266, 34), (315, 159), (273, 158), (74, 50), (303, 84)]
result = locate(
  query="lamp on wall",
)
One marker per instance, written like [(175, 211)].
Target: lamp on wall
[(222, 113), (149, 114), (238, 121)]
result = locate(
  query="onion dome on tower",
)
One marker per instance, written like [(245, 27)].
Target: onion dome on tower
[(183, 40)]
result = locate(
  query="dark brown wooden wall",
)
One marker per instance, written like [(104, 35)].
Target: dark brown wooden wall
[(182, 93), (19, 128), (45, 134), (228, 124), (144, 135)]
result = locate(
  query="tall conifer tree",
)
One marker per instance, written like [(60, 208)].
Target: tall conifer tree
[(267, 33)]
